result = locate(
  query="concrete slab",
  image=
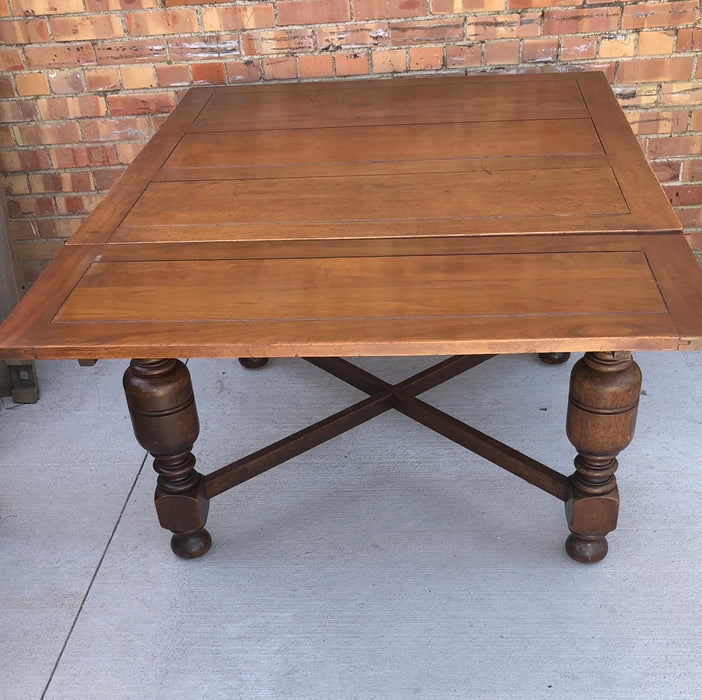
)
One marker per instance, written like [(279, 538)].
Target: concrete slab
[(67, 466), (390, 563)]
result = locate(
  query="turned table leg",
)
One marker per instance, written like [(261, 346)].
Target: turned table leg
[(604, 397), (162, 407)]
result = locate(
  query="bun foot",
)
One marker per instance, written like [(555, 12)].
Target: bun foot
[(554, 358), (190, 545), (586, 549), (253, 362)]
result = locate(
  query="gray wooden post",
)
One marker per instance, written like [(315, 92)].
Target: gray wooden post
[(17, 377)]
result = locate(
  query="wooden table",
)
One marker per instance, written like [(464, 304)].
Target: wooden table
[(461, 216)]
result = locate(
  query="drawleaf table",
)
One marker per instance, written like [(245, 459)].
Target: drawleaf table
[(459, 216)]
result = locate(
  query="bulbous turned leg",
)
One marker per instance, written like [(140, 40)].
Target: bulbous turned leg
[(554, 358), (253, 362), (602, 406), (162, 407)]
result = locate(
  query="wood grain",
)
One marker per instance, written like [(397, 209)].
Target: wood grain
[(391, 102), (242, 206), (647, 202), (678, 276), (363, 288), (433, 215), (379, 144)]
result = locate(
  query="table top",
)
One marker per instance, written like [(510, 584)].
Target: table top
[(433, 215)]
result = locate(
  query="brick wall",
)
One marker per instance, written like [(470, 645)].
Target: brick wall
[(86, 82)]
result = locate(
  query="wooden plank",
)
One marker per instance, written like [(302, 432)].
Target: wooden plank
[(355, 201), (314, 105), (649, 205), (446, 336), (377, 144), (366, 247), (347, 288), (678, 275), (29, 324), (390, 82), (402, 230), (386, 168)]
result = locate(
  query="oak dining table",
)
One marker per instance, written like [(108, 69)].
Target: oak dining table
[(457, 216)]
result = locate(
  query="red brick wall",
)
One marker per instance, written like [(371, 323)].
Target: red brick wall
[(86, 82)]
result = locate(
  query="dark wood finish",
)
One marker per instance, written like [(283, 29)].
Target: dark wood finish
[(602, 406), (382, 400), (554, 358), (271, 456), (253, 362), (162, 407), (494, 451), (444, 215)]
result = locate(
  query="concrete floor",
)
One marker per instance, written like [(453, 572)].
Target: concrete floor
[(388, 563)]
